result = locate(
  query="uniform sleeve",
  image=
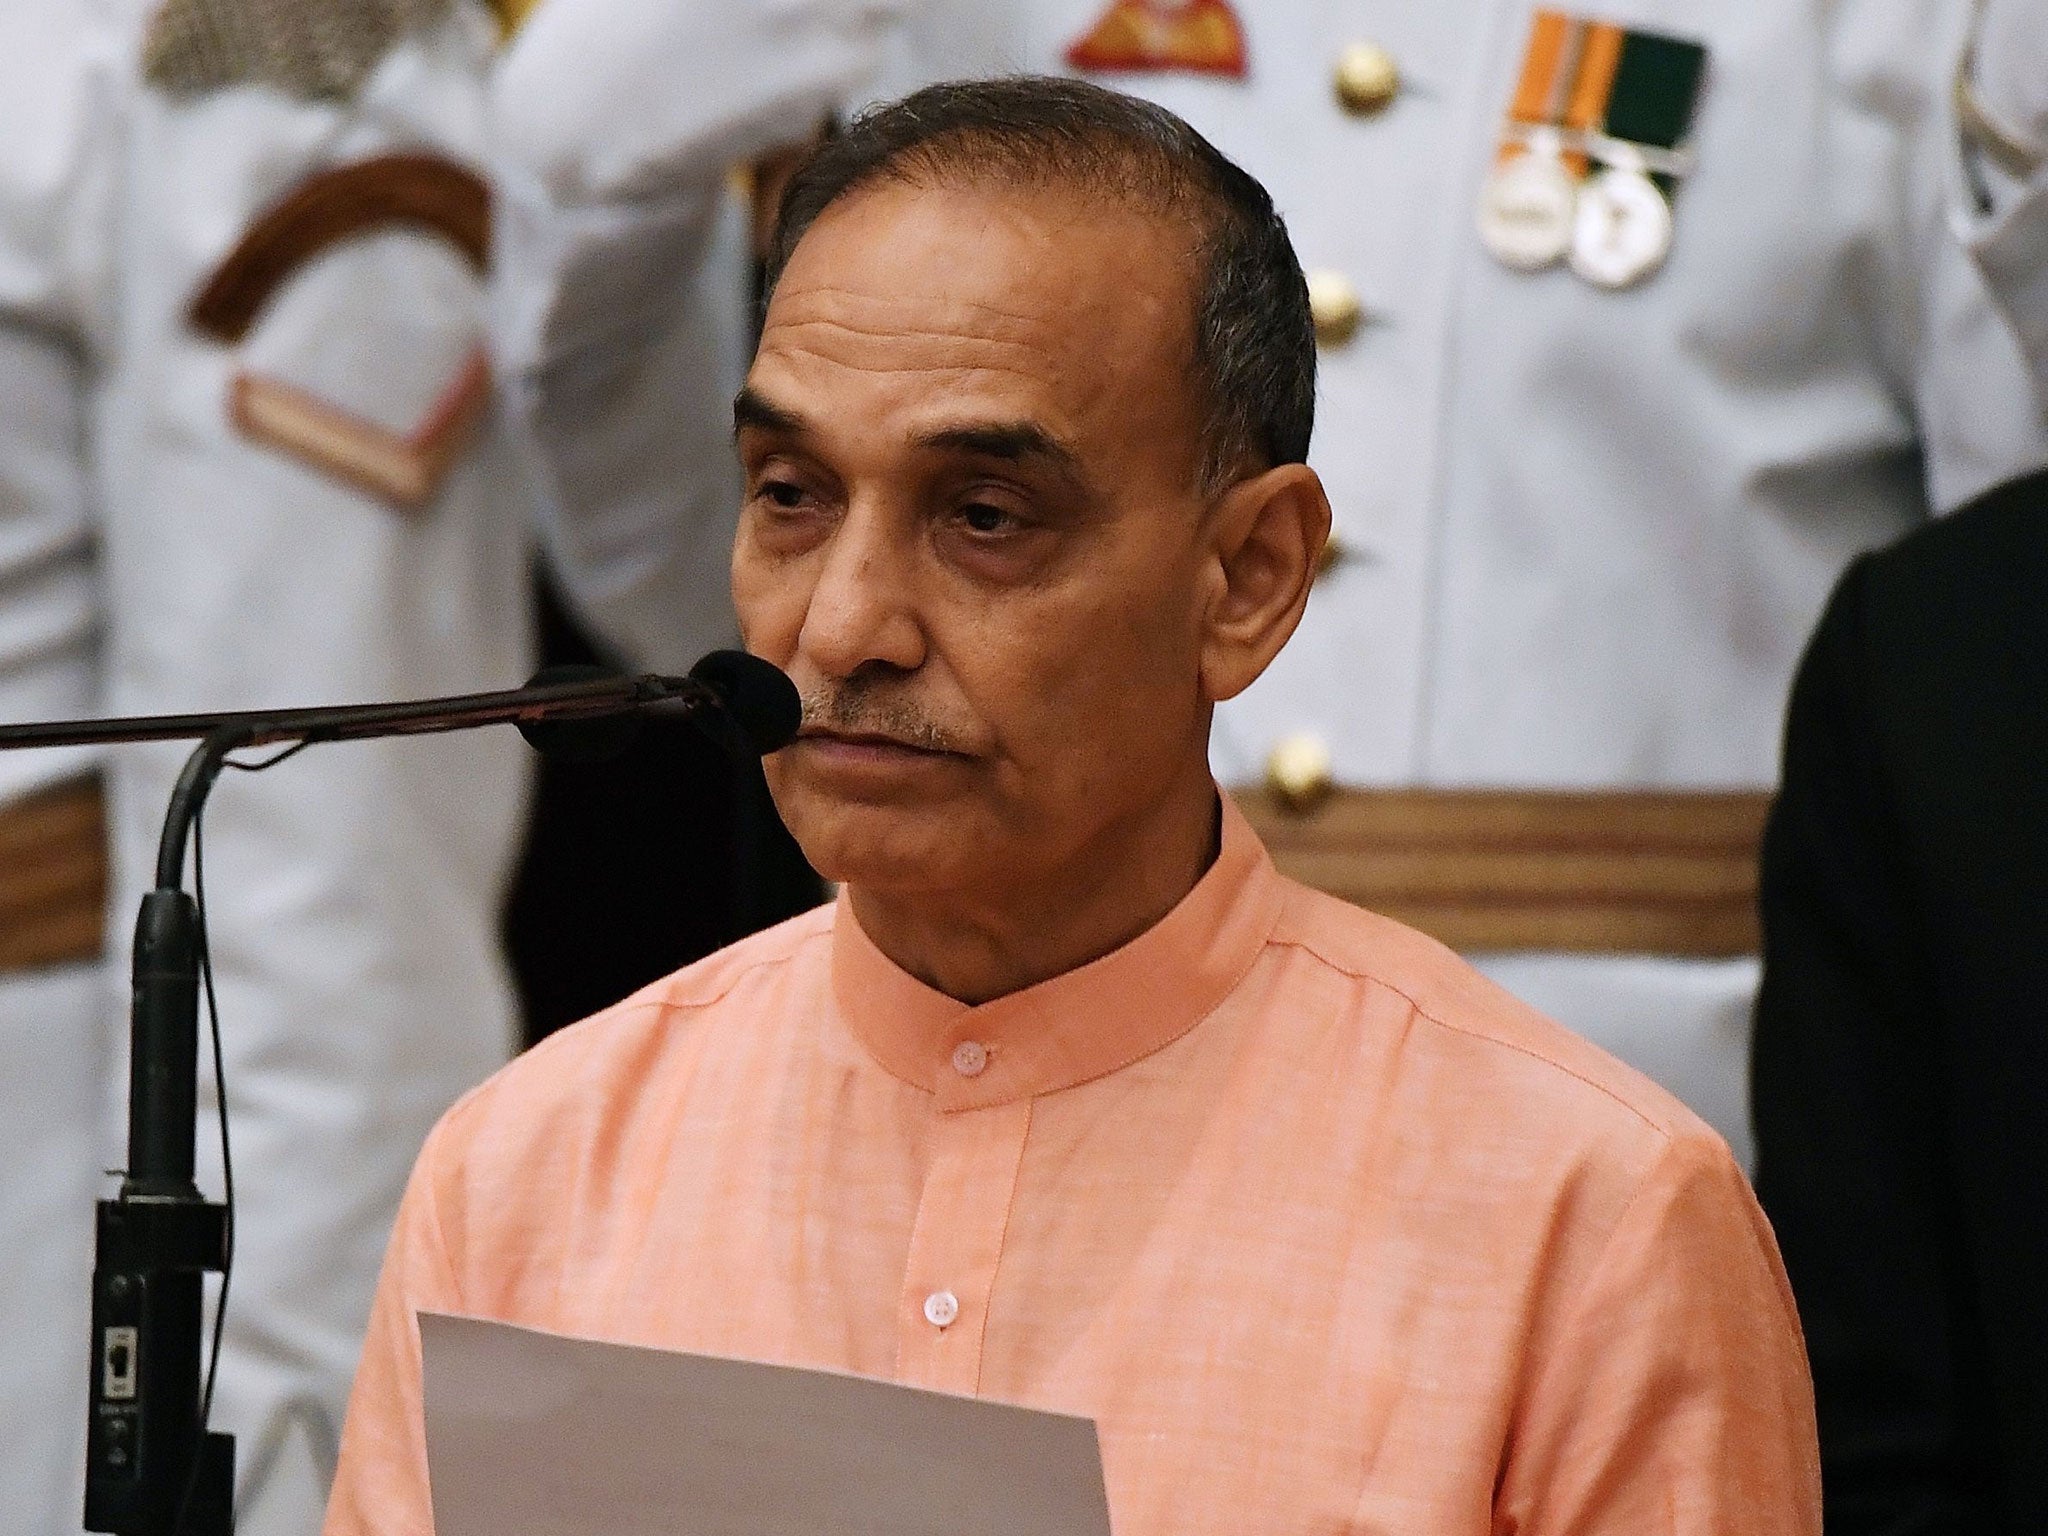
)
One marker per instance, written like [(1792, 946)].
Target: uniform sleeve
[(380, 1483), (1849, 1146), (59, 111), (623, 276), (2005, 223), (1674, 1400)]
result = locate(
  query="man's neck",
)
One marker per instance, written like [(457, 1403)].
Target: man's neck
[(988, 945)]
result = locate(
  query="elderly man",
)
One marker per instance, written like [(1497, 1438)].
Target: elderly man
[(1071, 1100)]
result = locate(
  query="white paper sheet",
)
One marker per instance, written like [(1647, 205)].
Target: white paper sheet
[(534, 1434)]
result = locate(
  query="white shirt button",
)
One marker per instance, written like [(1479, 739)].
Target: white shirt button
[(969, 1057), (940, 1308)]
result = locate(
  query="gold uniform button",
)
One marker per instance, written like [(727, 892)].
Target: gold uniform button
[(1334, 305), (1367, 79), (1298, 772)]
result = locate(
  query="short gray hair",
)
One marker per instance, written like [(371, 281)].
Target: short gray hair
[(1254, 340)]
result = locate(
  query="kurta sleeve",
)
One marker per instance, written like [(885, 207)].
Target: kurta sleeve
[(380, 1484), (1847, 1131), (1674, 1398), (623, 277)]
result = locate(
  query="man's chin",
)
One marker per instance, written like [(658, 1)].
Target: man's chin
[(879, 847)]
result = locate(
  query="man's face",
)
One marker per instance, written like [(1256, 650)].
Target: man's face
[(972, 532)]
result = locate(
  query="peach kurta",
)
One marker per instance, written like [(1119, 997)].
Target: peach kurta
[(1326, 1232)]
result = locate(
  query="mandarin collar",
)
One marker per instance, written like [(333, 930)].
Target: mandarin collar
[(1080, 1025)]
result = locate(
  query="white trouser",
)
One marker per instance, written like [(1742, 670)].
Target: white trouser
[(1683, 1023), (53, 1144)]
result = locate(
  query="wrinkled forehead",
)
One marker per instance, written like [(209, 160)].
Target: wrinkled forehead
[(1030, 291)]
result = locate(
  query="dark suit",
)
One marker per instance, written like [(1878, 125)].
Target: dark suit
[(1901, 1062)]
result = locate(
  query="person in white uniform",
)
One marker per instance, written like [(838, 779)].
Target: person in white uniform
[(245, 293), (1599, 434), (257, 357), (250, 560), (1596, 453), (623, 274), (1590, 493)]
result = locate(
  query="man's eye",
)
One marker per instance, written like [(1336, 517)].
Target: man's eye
[(984, 518), (783, 493)]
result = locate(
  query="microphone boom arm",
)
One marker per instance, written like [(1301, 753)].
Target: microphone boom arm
[(581, 699), (152, 1466)]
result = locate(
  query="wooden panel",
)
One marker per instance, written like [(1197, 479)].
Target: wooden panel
[(53, 877), (1612, 871)]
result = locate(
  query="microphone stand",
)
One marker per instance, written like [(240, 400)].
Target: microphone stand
[(152, 1466)]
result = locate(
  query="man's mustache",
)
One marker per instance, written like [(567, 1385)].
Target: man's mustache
[(854, 710)]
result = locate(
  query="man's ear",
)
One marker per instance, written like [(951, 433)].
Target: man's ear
[(1266, 534)]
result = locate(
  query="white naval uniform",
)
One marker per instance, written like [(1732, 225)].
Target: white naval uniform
[(52, 1044), (353, 893), (1590, 530)]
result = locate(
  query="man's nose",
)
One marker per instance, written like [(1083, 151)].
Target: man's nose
[(862, 611)]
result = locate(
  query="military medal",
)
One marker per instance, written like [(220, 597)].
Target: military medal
[(1526, 208), (1527, 204), (1202, 36), (1590, 150), (1622, 230)]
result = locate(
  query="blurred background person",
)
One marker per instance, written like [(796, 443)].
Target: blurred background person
[(1637, 323), (269, 271), (626, 256), (247, 298), (1901, 1081)]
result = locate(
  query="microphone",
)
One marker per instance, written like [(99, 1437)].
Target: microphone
[(753, 693), (758, 697), (152, 1465)]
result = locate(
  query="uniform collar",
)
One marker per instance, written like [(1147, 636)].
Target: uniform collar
[(1077, 1026)]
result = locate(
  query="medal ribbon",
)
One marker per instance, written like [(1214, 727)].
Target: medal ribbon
[(1655, 88), (1586, 81)]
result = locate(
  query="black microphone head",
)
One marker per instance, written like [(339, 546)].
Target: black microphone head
[(758, 697), (597, 740)]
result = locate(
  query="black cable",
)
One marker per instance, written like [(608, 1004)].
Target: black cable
[(269, 762), (220, 1094)]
